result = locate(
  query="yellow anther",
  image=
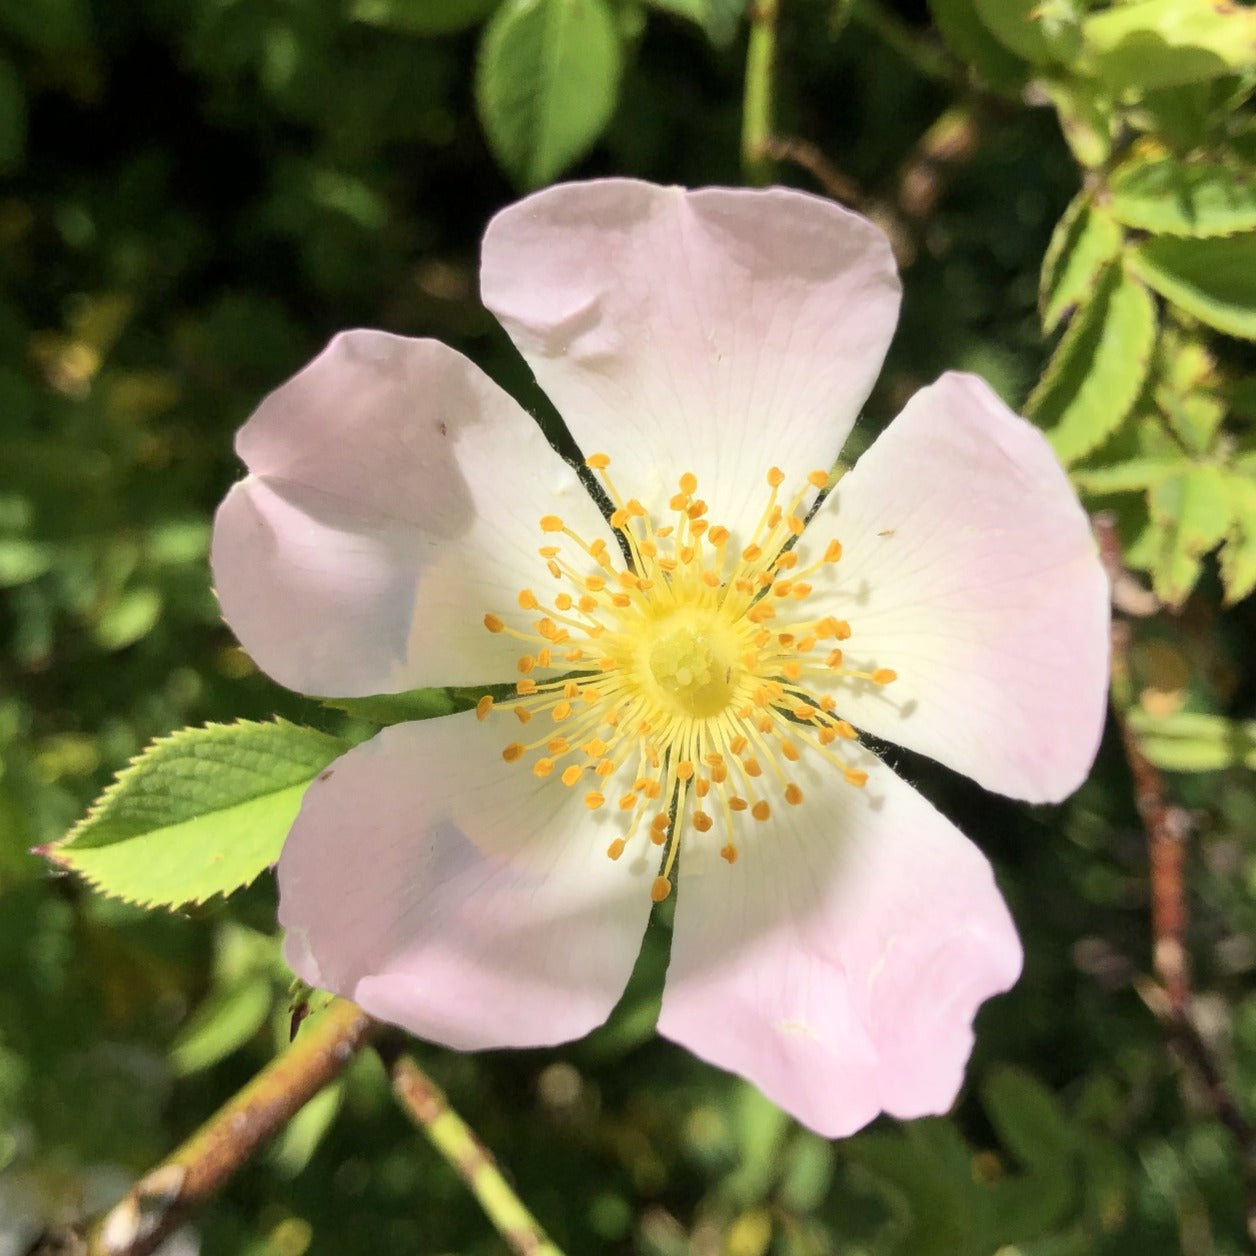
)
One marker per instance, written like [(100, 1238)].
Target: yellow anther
[(842, 631), (571, 688), (587, 603), (542, 767), (627, 802), (527, 600), (856, 776), (525, 688), (786, 561), (595, 584), (493, 624), (800, 590), (525, 664), (619, 518), (595, 749), (522, 714), (718, 535), (558, 745), (686, 553), (484, 706), (598, 462), (776, 477), (571, 775), (635, 508), (593, 800), (790, 751), (834, 551), (563, 601), (544, 657), (678, 501), (702, 787), (560, 712), (729, 853), (751, 554), (834, 659), (793, 795), (883, 676), (752, 767), (684, 770), (761, 810), (696, 510), (549, 551), (845, 730), (795, 525), (702, 822), (689, 482), (791, 670), (738, 744), (554, 569), (737, 804), (605, 768), (514, 752), (551, 523), (818, 479), (616, 848), (661, 888)]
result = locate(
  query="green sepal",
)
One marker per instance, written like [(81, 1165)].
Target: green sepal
[(1098, 368), (1214, 280), (397, 708), (201, 812)]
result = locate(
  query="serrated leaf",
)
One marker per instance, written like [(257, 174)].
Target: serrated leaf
[(1186, 391), (1172, 197), (1084, 241), (1190, 741), (970, 40), (546, 83), (1098, 368), (1161, 43), (1196, 503), (1133, 476), (1238, 554), (1044, 32), (422, 17), (1215, 280), (198, 813)]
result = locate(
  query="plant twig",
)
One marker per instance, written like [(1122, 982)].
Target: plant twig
[(1168, 828), (756, 109), (457, 1143), (159, 1202)]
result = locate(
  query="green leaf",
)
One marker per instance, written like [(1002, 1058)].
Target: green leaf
[(131, 616), (718, 18), (1190, 741), (1041, 31), (1238, 554), (546, 83), (1186, 391), (1171, 197), (1087, 117), (1215, 280), (223, 1023), (198, 813), (970, 40), (1197, 502), (1098, 368), (1126, 477), (1084, 241), (1161, 43), (422, 17)]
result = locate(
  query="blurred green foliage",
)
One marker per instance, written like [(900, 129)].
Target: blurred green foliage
[(194, 195)]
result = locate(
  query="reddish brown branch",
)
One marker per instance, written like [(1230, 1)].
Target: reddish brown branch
[(159, 1202)]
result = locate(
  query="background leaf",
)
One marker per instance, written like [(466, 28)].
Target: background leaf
[(1172, 197), (1215, 280), (546, 83)]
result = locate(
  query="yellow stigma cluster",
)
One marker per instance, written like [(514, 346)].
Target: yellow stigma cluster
[(691, 663)]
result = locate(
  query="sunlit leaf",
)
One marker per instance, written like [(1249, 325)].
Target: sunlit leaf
[(1215, 280), (1238, 554), (1159, 43), (1098, 368), (1085, 240), (1041, 31), (1171, 197), (1190, 741), (969, 38), (546, 83), (198, 813)]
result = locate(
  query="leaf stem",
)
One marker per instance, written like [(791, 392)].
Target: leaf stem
[(756, 116), (458, 1145)]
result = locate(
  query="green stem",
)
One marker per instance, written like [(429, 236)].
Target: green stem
[(756, 117), (457, 1144)]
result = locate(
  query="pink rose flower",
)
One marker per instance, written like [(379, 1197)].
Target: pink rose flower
[(684, 673)]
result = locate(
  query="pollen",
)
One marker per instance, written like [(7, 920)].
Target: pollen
[(695, 682)]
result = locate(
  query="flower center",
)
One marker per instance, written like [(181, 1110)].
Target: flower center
[(685, 672), (691, 656)]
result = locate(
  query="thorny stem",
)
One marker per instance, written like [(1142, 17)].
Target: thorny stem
[(159, 1202), (1168, 827), (456, 1142), (756, 117)]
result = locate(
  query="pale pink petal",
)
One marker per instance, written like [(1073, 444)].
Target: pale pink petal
[(719, 332), (393, 499), (969, 569), (457, 895), (839, 962)]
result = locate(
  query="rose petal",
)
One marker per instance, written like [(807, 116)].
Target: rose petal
[(457, 895), (394, 498), (969, 569), (719, 332), (839, 962)]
